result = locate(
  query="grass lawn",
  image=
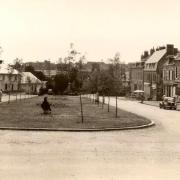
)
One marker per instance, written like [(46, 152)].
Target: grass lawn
[(65, 114)]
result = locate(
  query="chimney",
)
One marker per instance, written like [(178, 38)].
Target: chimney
[(170, 49), (176, 51), (146, 54)]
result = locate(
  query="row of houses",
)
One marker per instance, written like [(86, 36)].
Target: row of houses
[(158, 74), (12, 80)]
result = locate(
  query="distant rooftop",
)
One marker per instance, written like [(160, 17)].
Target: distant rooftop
[(156, 56), (26, 76), (177, 56), (5, 69)]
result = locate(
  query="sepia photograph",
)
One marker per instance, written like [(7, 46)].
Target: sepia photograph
[(89, 90)]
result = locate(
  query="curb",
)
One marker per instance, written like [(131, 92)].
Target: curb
[(151, 105), (78, 130)]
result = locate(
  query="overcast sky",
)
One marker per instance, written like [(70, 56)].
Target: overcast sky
[(43, 29)]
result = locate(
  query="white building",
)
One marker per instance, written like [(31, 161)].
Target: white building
[(30, 83), (9, 78)]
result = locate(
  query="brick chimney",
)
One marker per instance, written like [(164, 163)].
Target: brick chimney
[(170, 49)]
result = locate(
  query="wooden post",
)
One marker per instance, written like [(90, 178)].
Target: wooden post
[(108, 102), (116, 107), (103, 101), (82, 118), (20, 96), (9, 99)]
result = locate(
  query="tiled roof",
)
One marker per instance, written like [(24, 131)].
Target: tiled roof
[(26, 76), (156, 56), (177, 57), (5, 69)]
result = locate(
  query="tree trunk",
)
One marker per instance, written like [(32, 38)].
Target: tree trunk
[(9, 97), (116, 107), (108, 103)]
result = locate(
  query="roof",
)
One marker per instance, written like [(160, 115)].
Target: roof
[(29, 77), (6, 69), (177, 57), (156, 56)]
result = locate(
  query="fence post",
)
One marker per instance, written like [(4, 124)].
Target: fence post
[(108, 102), (9, 99), (103, 101), (116, 107), (82, 118)]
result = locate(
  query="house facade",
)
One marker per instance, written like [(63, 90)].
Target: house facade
[(171, 76), (136, 75), (153, 72), (30, 84), (9, 78)]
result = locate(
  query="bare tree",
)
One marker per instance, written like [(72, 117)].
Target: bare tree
[(29, 85), (10, 75)]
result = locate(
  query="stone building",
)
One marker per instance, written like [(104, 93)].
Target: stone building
[(136, 75), (9, 78), (153, 72), (171, 76)]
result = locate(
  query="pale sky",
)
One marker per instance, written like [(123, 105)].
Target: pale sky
[(43, 29)]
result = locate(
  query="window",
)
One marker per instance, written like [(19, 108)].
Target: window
[(173, 75), (176, 72), (6, 87)]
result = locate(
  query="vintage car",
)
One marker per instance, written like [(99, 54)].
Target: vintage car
[(50, 92), (168, 103)]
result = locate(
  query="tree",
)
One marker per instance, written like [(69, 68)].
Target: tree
[(29, 69), (61, 83), (10, 75), (40, 75), (105, 81), (29, 84), (18, 64)]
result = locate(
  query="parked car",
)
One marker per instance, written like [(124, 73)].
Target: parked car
[(168, 103), (50, 92)]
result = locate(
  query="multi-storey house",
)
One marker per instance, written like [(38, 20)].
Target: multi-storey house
[(136, 75), (153, 72), (171, 76), (9, 78)]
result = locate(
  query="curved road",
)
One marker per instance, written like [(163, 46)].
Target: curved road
[(151, 153)]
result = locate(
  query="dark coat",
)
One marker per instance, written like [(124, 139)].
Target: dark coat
[(45, 105)]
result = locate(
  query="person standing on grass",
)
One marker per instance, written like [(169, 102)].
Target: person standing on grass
[(46, 106), (1, 93)]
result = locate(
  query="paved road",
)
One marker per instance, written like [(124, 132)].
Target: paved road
[(152, 153)]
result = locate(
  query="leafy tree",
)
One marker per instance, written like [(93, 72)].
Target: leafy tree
[(50, 83), (60, 83), (40, 75), (29, 69), (18, 64)]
